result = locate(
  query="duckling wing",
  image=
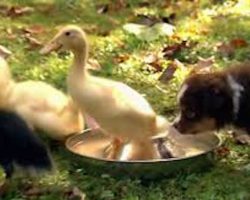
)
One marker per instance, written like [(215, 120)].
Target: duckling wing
[(38, 96), (129, 98), (115, 96)]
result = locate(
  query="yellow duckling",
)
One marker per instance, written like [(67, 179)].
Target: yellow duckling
[(119, 110), (42, 106)]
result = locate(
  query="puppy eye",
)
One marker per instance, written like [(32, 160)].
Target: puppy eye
[(67, 33), (190, 115)]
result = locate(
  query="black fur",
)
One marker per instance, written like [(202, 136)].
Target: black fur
[(19, 145), (209, 96)]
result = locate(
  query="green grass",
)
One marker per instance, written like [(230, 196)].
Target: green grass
[(205, 25)]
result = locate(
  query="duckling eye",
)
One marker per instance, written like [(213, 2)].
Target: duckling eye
[(67, 33)]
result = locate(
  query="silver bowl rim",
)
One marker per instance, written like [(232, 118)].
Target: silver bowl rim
[(219, 143)]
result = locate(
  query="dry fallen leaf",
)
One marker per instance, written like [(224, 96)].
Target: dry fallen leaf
[(225, 49), (33, 42), (154, 61), (147, 20), (16, 11), (168, 73), (93, 64), (170, 50), (4, 52), (238, 43), (34, 29), (205, 62), (204, 65), (228, 48), (121, 58)]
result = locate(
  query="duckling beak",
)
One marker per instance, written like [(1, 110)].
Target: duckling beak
[(51, 46)]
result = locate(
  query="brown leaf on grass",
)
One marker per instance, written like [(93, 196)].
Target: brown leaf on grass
[(121, 58), (225, 49), (146, 20), (157, 66), (170, 50), (228, 48), (204, 65), (153, 60), (33, 42), (16, 11), (205, 62), (34, 29), (168, 73), (93, 64), (238, 43), (4, 52)]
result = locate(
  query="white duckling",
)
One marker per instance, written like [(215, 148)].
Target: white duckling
[(42, 106), (119, 110), (45, 108)]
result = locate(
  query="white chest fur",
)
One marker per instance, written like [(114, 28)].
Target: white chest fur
[(237, 90)]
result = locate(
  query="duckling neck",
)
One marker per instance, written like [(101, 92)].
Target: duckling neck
[(78, 72), (79, 63)]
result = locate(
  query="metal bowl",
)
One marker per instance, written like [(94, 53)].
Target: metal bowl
[(88, 148)]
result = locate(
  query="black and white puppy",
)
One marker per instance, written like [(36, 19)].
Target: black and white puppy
[(19, 146), (212, 100)]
